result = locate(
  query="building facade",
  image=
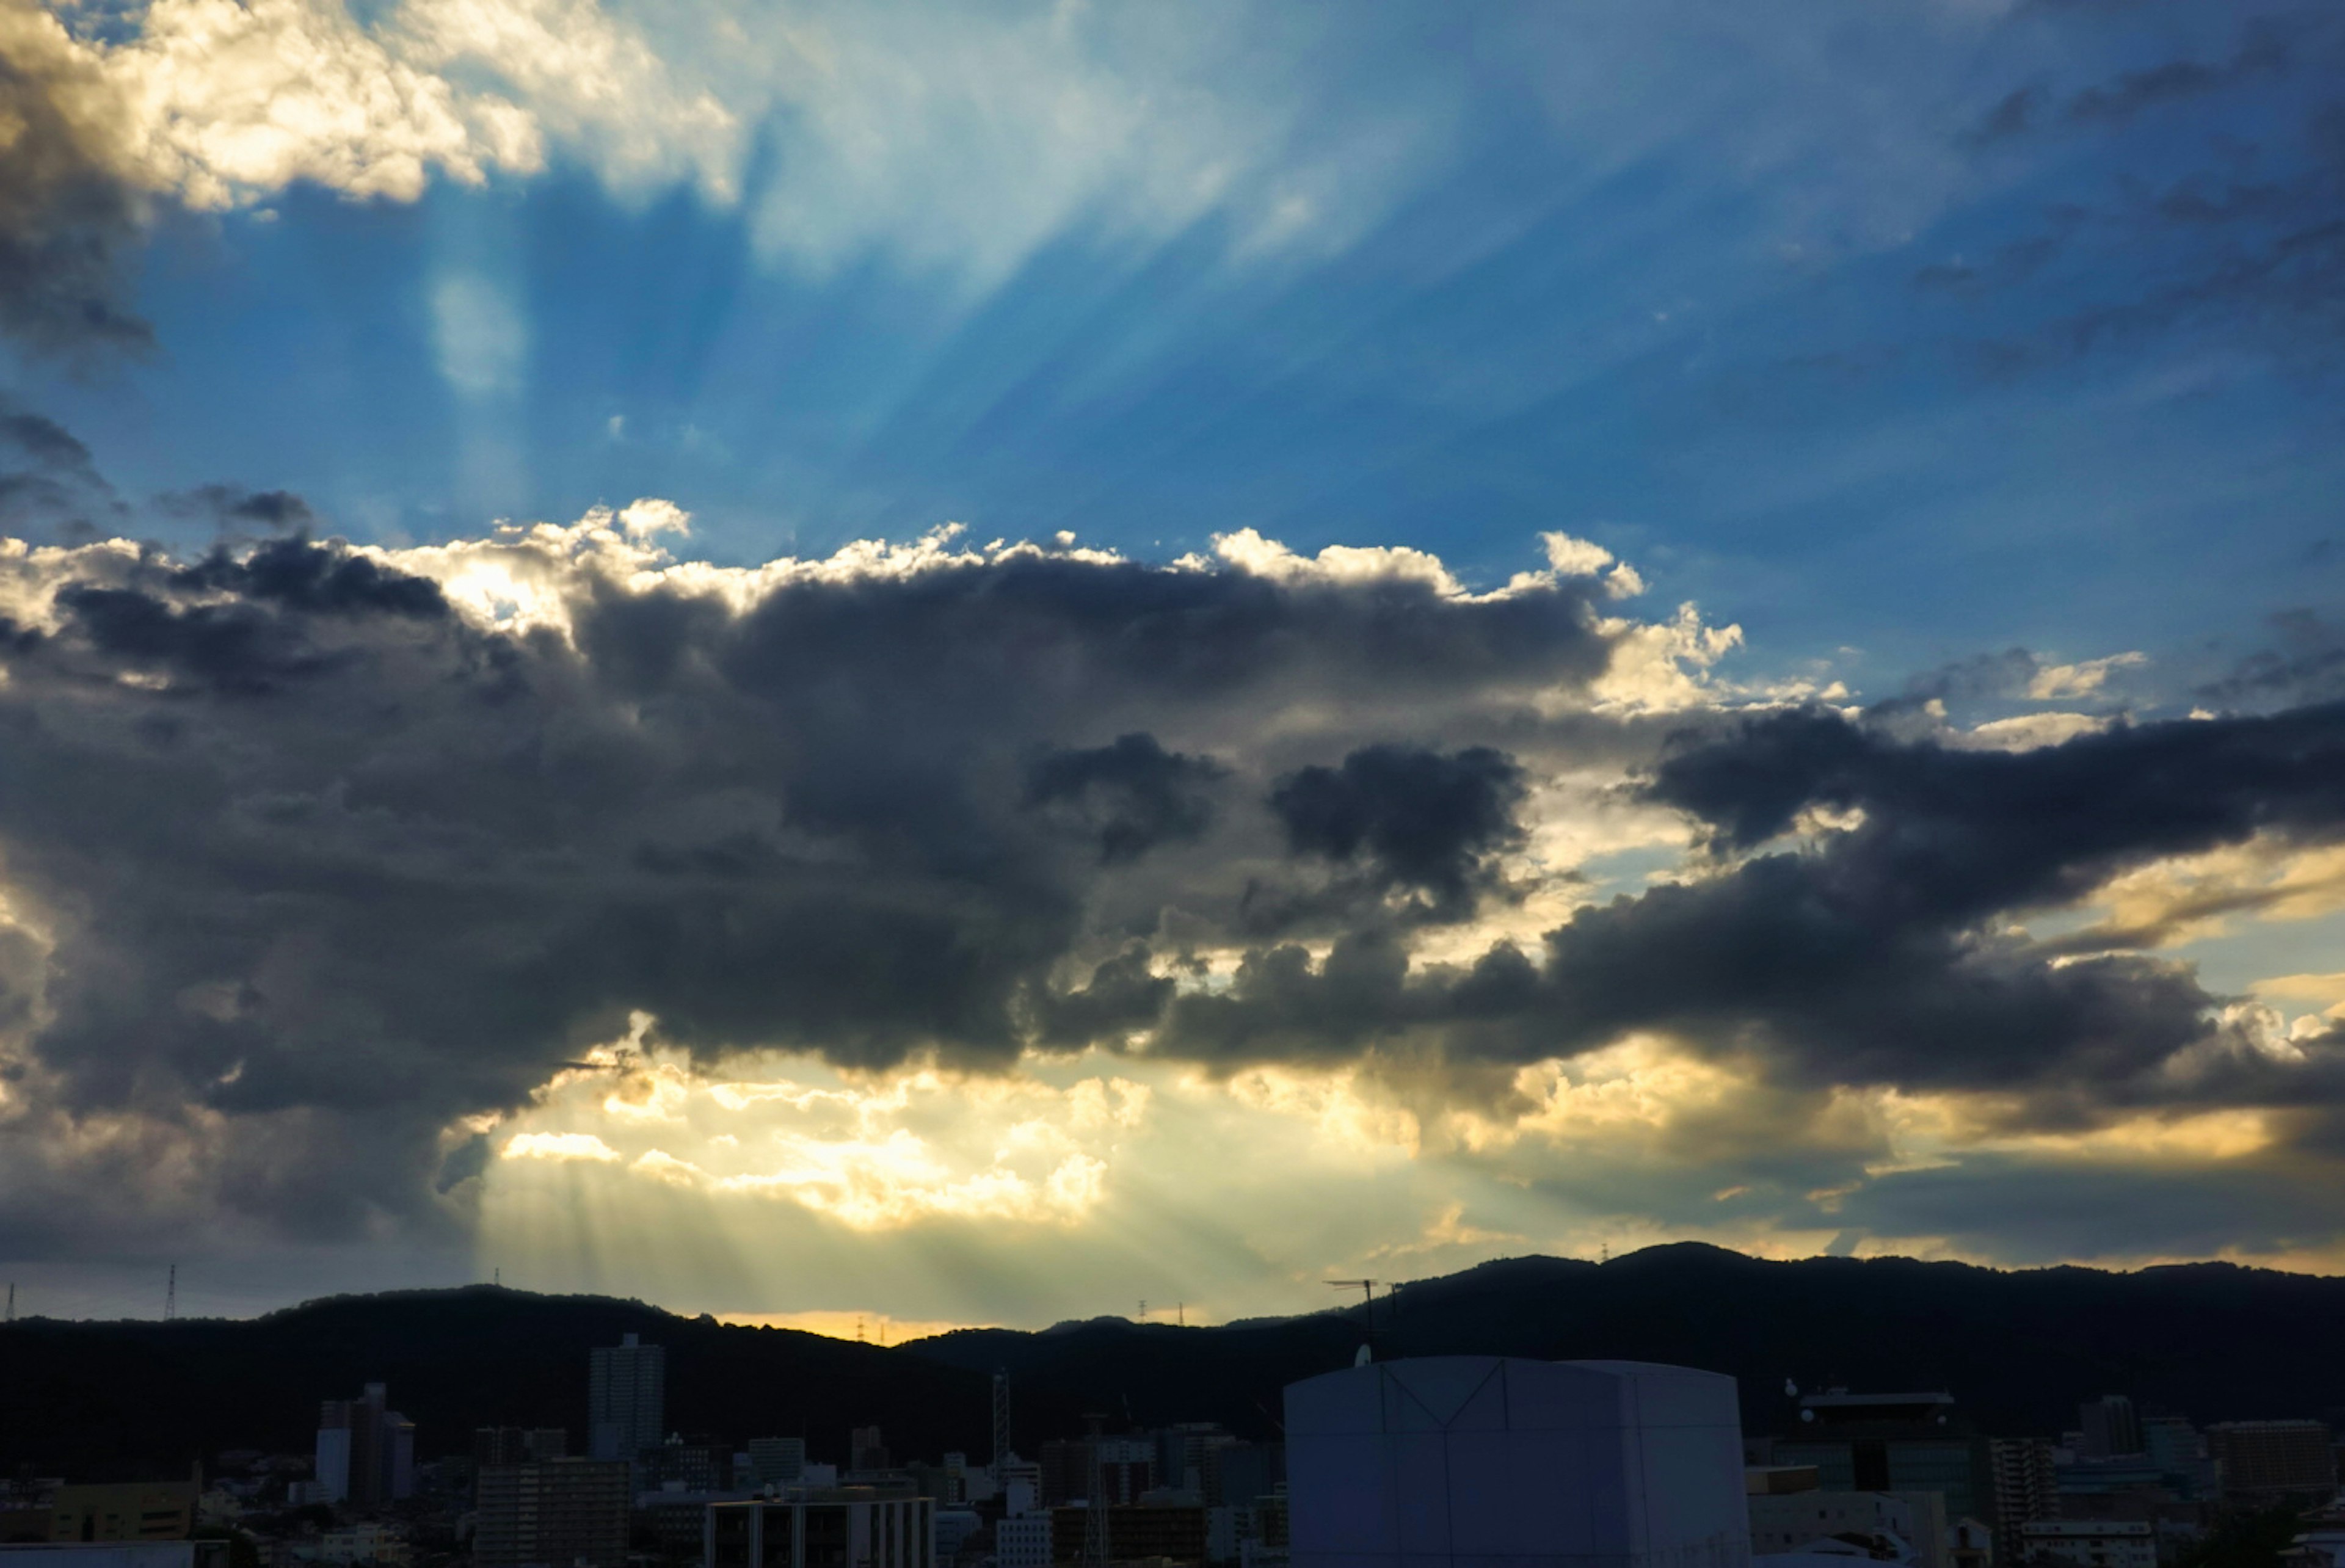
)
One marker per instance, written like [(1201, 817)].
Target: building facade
[(1475, 1459), (2090, 1543), (561, 1512), (823, 1527), (2266, 1460)]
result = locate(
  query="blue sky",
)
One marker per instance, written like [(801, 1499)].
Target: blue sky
[(1979, 360), (1749, 293)]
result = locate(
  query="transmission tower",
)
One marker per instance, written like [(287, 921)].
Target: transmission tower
[(1001, 1420), (12, 1301)]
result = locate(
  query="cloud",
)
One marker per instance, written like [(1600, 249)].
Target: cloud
[(301, 836), (1408, 819), (1134, 793), (67, 215)]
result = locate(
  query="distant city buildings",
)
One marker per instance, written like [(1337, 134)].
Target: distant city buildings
[(366, 1451), (626, 1397)]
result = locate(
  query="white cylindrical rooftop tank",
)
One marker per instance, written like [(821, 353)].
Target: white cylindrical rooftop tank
[(1491, 1462)]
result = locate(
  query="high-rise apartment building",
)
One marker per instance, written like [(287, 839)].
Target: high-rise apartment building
[(366, 1451), (2026, 1490), (626, 1397), (2266, 1460), (563, 1511)]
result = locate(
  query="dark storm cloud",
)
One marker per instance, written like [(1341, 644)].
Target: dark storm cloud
[(49, 486), (238, 511), (1879, 955), (317, 852), (1411, 818), (1132, 794), (66, 216), (2306, 663)]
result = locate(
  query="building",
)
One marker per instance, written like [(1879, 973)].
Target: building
[(1457, 1459), (137, 1511), (824, 1527), (1135, 1531), (117, 1554), (518, 1445), (2267, 1461), (366, 1450), (1791, 1521), (2109, 1428), (360, 1543), (1018, 1484), (867, 1449), (1901, 1442), (2090, 1543), (696, 1463), (1127, 1467), (2023, 1488), (1790, 1513), (1023, 1541), (561, 1512), (776, 1460), (626, 1397), (676, 1519)]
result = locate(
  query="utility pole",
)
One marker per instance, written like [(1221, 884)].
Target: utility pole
[(1001, 1420), (1095, 1505), (171, 1294)]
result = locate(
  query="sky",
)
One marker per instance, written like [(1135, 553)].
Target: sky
[(987, 664)]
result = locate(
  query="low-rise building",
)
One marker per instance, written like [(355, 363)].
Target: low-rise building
[(1023, 1541), (135, 1511), (824, 1527), (2089, 1543)]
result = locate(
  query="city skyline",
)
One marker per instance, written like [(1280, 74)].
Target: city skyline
[(970, 667)]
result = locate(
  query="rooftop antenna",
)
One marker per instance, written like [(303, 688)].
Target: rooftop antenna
[(1367, 1289), (171, 1294)]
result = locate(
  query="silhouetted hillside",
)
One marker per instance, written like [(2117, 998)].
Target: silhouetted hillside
[(92, 1399), (2017, 1349)]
